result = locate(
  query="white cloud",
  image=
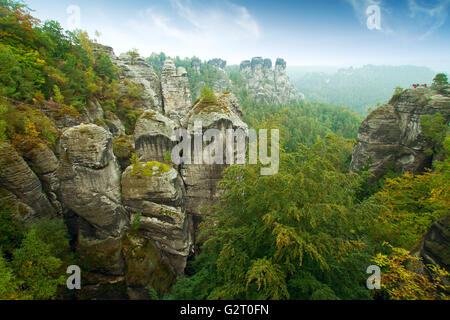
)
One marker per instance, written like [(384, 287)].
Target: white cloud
[(187, 27)]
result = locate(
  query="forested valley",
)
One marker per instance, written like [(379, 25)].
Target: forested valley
[(308, 232)]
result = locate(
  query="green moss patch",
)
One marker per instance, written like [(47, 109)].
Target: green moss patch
[(150, 169)]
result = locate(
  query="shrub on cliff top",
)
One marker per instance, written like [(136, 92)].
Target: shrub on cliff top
[(207, 97)]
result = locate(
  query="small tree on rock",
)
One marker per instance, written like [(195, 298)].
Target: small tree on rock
[(440, 79), (134, 54)]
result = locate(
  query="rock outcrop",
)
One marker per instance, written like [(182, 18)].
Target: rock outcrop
[(175, 87), (157, 192), (153, 136), (93, 111), (90, 179), (218, 63), (201, 180), (268, 85), (141, 73), (392, 137), (114, 125), (17, 178)]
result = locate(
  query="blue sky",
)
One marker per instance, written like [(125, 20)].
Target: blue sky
[(304, 32)]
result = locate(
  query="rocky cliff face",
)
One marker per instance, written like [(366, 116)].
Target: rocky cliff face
[(266, 84), (141, 73), (133, 223), (392, 136), (22, 183)]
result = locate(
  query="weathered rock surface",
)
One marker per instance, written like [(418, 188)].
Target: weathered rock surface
[(17, 178), (268, 85), (392, 137), (21, 210), (200, 179), (90, 178), (93, 111), (138, 72), (153, 136), (100, 256), (44, 164), (115, 126), (123, 150), (141, 73), (156, 191), (175, 87), (62, 116)]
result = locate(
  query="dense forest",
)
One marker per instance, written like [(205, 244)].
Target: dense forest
[(308, 232)]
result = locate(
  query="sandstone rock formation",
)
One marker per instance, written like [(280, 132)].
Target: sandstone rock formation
[(90, 179), (17, 178), (268, 85), (196, 65), (43, 162), (175, 87), (392, 137), (153, 136), (201, 180), (156, 191), (218, 63), (90, 187), (141, 73), (114, 125), (93, 111)]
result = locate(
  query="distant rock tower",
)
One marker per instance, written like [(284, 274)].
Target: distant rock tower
[(268, 85)]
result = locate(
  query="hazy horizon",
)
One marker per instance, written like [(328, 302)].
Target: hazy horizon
[(327, 33)]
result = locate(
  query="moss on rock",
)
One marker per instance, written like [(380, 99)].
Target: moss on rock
[(150, 169), (123, 150)]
